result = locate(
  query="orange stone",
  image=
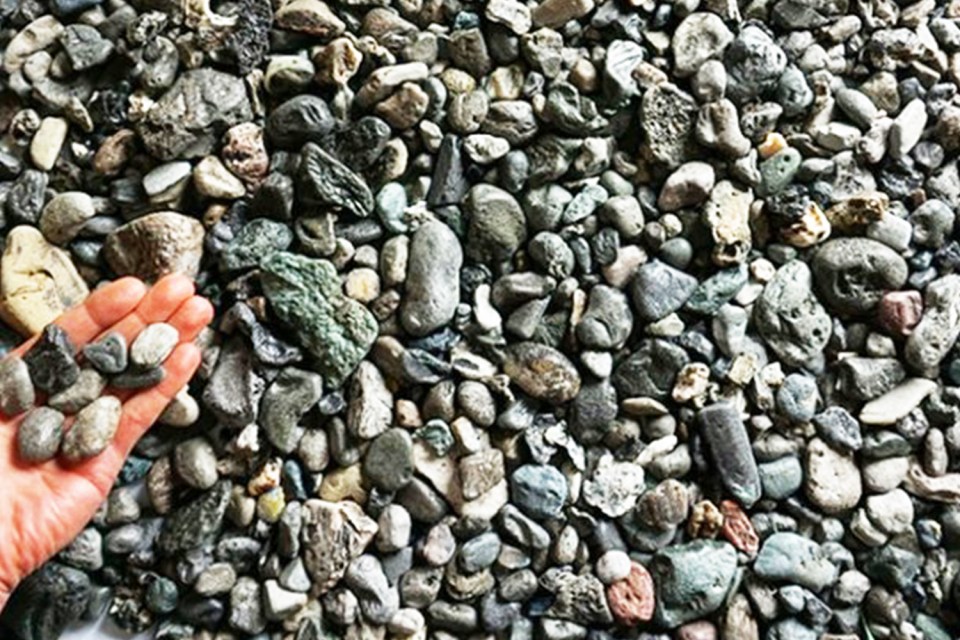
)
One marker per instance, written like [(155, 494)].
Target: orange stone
[(738, 529), (632, 599)]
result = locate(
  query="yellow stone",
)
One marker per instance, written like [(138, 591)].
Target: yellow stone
[(270, 505), (772, 143), (343, 484), (38, 281)]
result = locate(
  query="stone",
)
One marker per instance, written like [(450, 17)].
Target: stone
[(542, 372), (433, 275), (370, 411), (195, 462), (555, 13), (607, 322), (108, 355), (50, 361), (538, 490), (288, 398), (754, 64), (839, 429), (93, 429), (650, 371), (388, 464), (279, 603), (832, 479), (939, 327), (658, 290), (325, 182), (689, 185), (257, 240), (577, 597), (729, 445), (65, 215), (900, 311), (153, 344), (303, 118), (312, 17), (84, 46), (16, 388), (667, 116), (496, 224), (727, 214), (305, 294), (246, 608), (907, 128), (155, 245), (932, 223), (898, 402), (48, 142), (614, 486), (35, 36), (691, 580), (789, 317), (39, 434), (38, 281), (47, 602), (333, 535), (791, 558), (86, 389), (852, 274), (513, 14), (698, 38), (188, 120)]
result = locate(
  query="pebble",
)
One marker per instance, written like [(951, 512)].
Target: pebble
[(939, 326), (65, 215), (93, 429), (658, 290), (907, 128), (897, 402), (155, 245), (433, 270), (613, 566), (153, 344), (86, 389), (108, 355), (39, 434), (16, 387), (196, 463), (543, 372), (691, 580), (791, 558), (47, 142), (728, 441), (832, 479), (50, 361), (540, 491)]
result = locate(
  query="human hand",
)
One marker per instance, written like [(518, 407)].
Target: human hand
[(47, 505)]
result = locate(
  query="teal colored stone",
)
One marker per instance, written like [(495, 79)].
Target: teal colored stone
[(791, 629), (931, 628), (437, 435), (585, 203), (692, 580), (717, 290), (781, 478), (777, 171), (893, 566), (134, 469), (390, 204), (161, 595), (305, 294), (257, 240), (793, 559)]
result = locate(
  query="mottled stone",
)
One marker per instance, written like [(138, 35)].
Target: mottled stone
[(39, 434), (93, 429), (16, 389), (155, 245), (692, 580), (333, 535), (542, 371), (291, 395)]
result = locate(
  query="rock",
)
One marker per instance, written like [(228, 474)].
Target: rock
[(839, 429), (607, 322), (196, 523), (932, 223), (84, 46), (691, 580), (650, 371), (38, 281), (689, 185), (542, 371), (791, 558), (496, 224), (64, 216), (898, 402), (153, 344), (303, 118), (312, 17), (577, 598), (323, 182), (279, 603), (388, 464), (188, 120), (108, 355), (234, 389), (51, 362), (246, 608), (555, 13), (614, 486), (939, 326), (305, 294), (667, 116), (789, 317), (155, 245), (511, 13), (35, 36), (539, 490), (726, 436), (48, 142), (480, 472), (333, 535), (16, 389), (93, 429), (288, 398), (832, 479), (900, 311), (754, 64), (86, 389), (658, 290), (433, 279), (258, 239), (47, 602), (196, 463), (727, 214), (614, 566), (39, 434), (699, 37), (907, 128), (853, 273)]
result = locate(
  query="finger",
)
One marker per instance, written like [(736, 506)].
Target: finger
[(159, 303), (102, 308), (143, 408), (192, 316)]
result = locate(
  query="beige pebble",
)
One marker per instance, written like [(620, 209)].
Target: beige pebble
[(47, 142)]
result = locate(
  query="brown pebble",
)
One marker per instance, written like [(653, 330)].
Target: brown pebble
[(699, 630), (899, 311)]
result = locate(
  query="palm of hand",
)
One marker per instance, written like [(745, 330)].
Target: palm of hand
[(46, 505)]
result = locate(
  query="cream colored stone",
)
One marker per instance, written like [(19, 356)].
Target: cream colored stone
[(36, 36), (47, 142), (38, 281), (214, 180)]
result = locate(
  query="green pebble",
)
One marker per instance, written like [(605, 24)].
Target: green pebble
[(717, 290), (161, 595), (257, 239), (777, 171)]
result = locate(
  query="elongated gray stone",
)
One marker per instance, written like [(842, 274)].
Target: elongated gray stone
[(939, 327), (290, 396), (789, 317), (16, 389), (432, 289), (39, 434), (726, 437)]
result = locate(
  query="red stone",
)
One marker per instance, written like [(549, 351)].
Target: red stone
[(699, 630), (899, 311), (632, 599), (738, 529), (245, 154)]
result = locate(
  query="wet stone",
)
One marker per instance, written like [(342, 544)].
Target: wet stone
[(51, 361)]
